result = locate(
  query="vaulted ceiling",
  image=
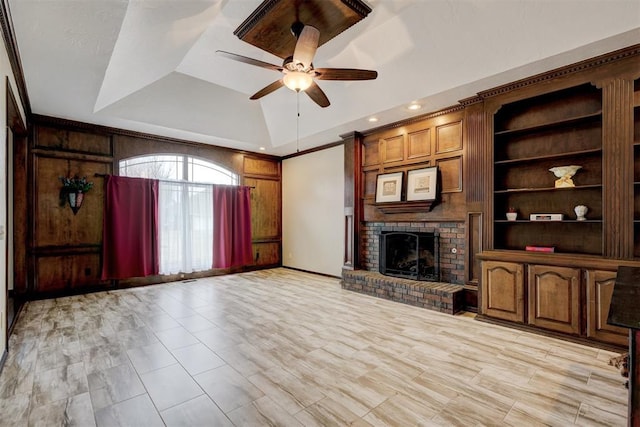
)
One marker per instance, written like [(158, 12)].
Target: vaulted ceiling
[(150, 65)]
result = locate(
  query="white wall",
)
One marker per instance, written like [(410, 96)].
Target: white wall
[(313, 211)]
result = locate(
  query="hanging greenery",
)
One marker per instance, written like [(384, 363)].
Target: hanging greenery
[(76, 184)]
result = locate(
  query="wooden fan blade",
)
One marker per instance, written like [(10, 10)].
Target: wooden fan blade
[(306, 46), (344, 74), (317, 95), (268, 89), (248, 60)]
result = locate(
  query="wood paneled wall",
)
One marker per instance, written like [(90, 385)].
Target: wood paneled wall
[(63, 249), (432, 140)]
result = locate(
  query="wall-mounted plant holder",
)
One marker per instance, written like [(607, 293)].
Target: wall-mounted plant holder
[(73, 191)]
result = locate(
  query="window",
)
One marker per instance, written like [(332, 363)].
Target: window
[(177, 167), (185, 207)]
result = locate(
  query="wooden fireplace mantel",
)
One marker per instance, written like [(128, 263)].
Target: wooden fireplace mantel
[(405, 207)]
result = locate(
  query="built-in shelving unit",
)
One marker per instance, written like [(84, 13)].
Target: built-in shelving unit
[(530, 137), (589, 119)]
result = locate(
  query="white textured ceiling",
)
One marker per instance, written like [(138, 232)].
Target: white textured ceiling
[(150, 65)]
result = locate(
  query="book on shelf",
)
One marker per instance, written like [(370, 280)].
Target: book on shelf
[(533, 248)]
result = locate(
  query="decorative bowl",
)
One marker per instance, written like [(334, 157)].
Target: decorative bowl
[(564, 174)]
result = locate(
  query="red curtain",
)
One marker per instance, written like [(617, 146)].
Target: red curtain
[(231, 226), (130, 228)]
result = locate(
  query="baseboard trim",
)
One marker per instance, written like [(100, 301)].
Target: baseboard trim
[(312, 272), (552, 334)]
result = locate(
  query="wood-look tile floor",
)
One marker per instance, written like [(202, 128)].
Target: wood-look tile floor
[(285, 348)]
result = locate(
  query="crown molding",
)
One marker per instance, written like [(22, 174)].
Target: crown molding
[(11, 46), (416, 119), (111, 131), (587, 64)]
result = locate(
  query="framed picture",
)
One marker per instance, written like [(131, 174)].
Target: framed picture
[(422, 184), (389, 187)]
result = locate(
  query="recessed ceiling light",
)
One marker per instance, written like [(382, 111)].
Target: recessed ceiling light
[(262, 148), (414, 107), (373, 119)]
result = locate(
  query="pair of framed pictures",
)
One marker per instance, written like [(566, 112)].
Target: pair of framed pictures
[(421, 185)]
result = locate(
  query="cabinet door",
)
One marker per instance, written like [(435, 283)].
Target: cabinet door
[(503, 290), (599, 290), (554, 298)]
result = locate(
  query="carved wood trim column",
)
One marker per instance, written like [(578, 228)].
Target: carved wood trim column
[(352, 199), (478, 148), (487, 173), (617, 168)]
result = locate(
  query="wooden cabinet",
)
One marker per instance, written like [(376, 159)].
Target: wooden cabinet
[(599, 290), (531, 136), (503, 290), (570, 295), (554, 298)]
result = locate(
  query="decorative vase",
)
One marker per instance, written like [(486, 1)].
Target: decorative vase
[(512, 216), (581, 211)]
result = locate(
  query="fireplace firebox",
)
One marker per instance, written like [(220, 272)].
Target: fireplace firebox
[(410, 255)]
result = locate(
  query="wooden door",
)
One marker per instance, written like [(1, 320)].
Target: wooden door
[(599, 291), (554, 298), (503, 290), (266, 201)]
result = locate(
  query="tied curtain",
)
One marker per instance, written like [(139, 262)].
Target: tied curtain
[(130, 228), (232, 226)]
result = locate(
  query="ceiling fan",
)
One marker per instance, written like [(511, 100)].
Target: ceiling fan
[(298, 70)]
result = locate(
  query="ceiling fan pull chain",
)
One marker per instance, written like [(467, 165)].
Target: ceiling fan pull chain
[(298, 122)]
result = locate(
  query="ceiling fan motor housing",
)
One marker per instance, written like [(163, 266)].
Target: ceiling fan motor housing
[(296, 29)]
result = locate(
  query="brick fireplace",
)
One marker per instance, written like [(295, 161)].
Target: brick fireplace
[(451, 237), (445, 295)]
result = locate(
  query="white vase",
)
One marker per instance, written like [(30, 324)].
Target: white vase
[(511, 216), (581, 211)]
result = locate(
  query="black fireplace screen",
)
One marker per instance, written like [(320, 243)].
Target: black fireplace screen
[(410, 255)]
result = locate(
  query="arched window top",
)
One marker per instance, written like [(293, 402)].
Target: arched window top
[(176, 167)]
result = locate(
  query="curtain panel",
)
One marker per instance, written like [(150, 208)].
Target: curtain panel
[(186, 227), (130, 228), (231, 226)]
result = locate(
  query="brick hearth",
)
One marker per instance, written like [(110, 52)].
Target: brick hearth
[(438, 296)]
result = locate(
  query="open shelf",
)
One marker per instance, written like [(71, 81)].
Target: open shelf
[(526, 221), (542, 189), (551, 124), (549, 156)]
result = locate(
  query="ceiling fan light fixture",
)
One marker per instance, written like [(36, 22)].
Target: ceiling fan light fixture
[(297, 80)]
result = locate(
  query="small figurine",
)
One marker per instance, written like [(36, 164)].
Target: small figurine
[(581, 211)]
